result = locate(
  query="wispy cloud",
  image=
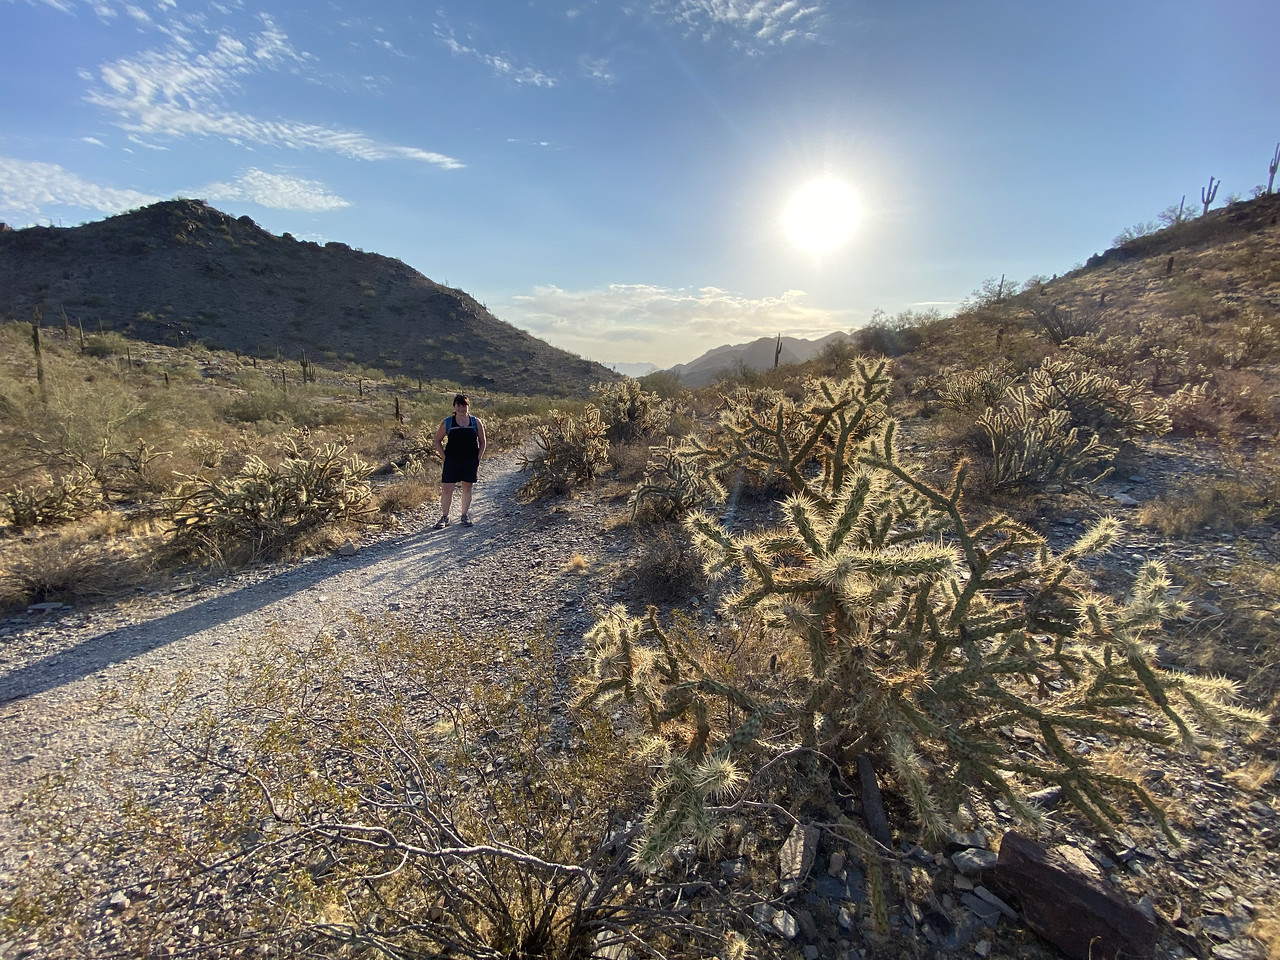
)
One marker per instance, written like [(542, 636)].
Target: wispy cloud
[(177, 93), (751, 24), (276, 191), (29, 187), (662, 324), (502, 66)]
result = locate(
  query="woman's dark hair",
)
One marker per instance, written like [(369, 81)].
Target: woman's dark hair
[(460, 398)]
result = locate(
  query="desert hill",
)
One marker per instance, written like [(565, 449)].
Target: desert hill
[(756, 355), (180, 270)]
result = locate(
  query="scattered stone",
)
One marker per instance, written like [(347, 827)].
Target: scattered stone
[(348, 549), (796, 857), (971, 862), (118, 902), (991, 898), (778, 920), (733, 868)]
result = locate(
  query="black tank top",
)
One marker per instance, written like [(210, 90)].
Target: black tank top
[(462, 443)]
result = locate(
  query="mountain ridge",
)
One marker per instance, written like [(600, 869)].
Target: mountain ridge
[(181, 270)]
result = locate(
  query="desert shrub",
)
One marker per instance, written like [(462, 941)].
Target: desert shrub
[(78, 423), (568, 451), (265, 402), (913, 639), (1061, 323), (380, 795), (53, 502), (666, 569), (106, 344), (678, 478), (68, 569), (1242, 492), (264, 507)]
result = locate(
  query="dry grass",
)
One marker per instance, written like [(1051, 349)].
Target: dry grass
[(66, 567)]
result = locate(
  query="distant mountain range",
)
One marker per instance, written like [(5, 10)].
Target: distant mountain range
[(757, 355), (181, 271)]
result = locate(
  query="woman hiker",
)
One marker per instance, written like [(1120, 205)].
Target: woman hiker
[(462, 454)]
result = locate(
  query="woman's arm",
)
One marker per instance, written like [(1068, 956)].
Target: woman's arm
[(440, 435), (484, 442)]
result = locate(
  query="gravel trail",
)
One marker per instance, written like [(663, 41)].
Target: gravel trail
[(514, 571)]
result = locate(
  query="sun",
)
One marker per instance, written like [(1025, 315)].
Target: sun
[(822, 215)]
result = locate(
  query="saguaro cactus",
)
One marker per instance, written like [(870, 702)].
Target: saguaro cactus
[(1208, 193), (1272, 168)]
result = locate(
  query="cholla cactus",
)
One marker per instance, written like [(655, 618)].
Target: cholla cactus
[(264, 505), (74, 496), (569, 451), (677, 479), (1030, 447), (1097, 403), (975, 390), (914, 637), (780, 438), (631, 412)]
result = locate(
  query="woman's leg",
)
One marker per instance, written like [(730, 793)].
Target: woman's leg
[(446, 498), (466, 495)]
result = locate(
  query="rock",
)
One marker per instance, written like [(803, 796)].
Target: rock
[(118, 902), (1070, 908), (973, 861), (1124, 500), (985, 894), (348, 549), (1046, 799), (796, 857), (1239, 950), (988, 913), (779, 920)]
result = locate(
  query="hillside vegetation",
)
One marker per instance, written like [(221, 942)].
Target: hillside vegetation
[(180, 272), (920, 632)]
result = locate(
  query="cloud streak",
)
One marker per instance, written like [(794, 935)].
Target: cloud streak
[(501, 66), (275, 191), (176, 93), (28, 187), (755, 24), (662, 324)]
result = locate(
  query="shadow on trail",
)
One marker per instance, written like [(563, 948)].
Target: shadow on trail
[(422, 553)]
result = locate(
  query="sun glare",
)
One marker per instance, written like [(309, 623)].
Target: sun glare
[(821, 215)]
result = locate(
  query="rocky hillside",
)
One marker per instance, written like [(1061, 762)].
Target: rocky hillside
[(180, 270), (757, 355)]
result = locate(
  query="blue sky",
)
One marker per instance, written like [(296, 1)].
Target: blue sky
[(613, 177)]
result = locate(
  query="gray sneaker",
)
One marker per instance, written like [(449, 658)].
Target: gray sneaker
[(441, 523), (466, 521)]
